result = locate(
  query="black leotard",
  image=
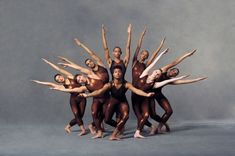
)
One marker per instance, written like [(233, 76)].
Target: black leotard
[(119, 93)]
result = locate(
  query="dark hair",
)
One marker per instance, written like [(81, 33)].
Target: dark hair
[(117, 67), (87, 60), (144, 51), (56, 76), (175, 69), (118, 48), (75, 77)]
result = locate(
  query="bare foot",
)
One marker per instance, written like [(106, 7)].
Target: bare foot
[(159, 129), (112, 138), (138, 135), (98, 135), (153, 129), (83, 132), (92, 129), (67, 128)]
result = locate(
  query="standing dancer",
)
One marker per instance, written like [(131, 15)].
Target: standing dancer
[(117, 52), (77, 103), (94, 84), (94, 56), (140, 104), (165, 73)]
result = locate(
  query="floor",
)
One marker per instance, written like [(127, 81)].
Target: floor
[(186, 138)]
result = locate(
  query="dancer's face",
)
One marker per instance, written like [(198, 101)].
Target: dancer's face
[(90, 63), (81, 79), (117, 73), (59, 79), (144, 55), (173, 72), (156, 74), (117, 52)]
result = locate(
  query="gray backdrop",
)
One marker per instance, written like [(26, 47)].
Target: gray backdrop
[(32, 29)]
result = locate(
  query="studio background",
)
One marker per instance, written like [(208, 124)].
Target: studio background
[(35, 29)]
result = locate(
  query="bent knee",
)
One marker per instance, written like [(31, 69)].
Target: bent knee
[(94, 114), (146, 115), (126, 116)]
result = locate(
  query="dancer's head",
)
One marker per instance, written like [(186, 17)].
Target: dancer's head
[(155, 74), (90, 63), (173, 72), (59, 78), (117, 72), (117, 52), (143, 55), (80, 78)]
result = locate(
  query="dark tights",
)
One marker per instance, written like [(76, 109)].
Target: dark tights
[(141, 109), (123, 109), (164, 103), (152, 113), (97, 111), (78, 106)]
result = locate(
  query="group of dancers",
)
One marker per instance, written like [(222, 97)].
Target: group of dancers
[(109, 93)]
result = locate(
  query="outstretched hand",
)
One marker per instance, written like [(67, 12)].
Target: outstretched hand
[(191, 53), (144, 31), (77, 41), (104, 29), (163, 40), (83, 95), (129, 28), (63, 64), (184, 76), (36, 81), (63, 58), (202, 78), (165, 51), (45, 60), (151, 94), (57, 87)]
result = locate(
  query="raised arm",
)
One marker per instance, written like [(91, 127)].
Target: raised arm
[(68, 74), (67, 90), (65, 60), (106, 87), (177, 61), (105, 45), (138, 91), (90, 52), (155, 52), (146, 71), (163, 83), (50, 84), (137, 50), (187, 81), (128, 45), (89, 73)]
